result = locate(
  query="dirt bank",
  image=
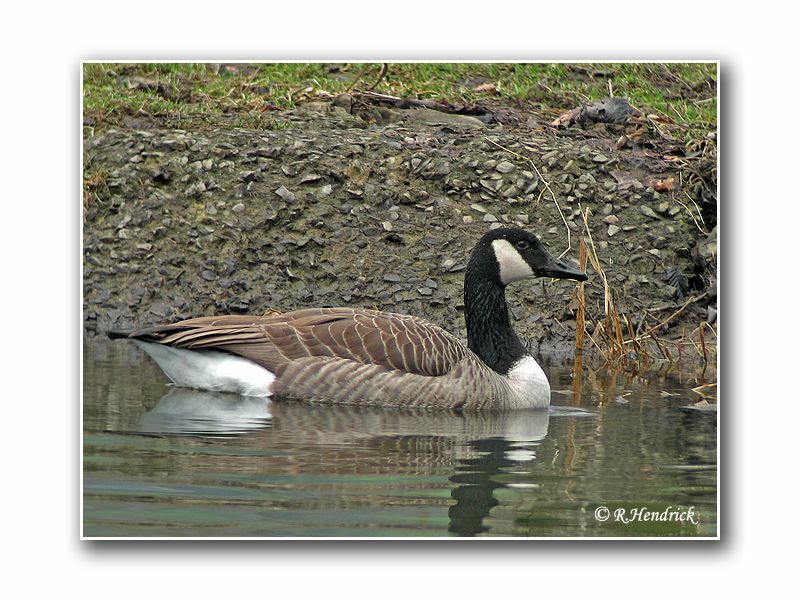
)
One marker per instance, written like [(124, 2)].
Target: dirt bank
[(381, 207)]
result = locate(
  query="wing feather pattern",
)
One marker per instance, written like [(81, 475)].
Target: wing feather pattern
[(398, 343)]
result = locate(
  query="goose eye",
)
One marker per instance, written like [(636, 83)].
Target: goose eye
[(522, 245)]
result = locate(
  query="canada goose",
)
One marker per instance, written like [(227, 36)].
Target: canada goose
[(368, 357)]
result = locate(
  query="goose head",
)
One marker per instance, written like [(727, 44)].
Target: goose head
[(503, 256), (506, 255)]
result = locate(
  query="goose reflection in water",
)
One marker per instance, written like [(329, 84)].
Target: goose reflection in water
[(183, 411), (475, 447)]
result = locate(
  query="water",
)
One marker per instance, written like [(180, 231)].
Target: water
[(167, 462)]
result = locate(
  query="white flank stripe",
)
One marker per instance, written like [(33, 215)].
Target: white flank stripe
[(210, 370)]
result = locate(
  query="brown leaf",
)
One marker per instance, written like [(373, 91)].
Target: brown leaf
[(660, 185), (486, 87), (567, 119), (664, 185)]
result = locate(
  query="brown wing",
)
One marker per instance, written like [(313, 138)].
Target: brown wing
[(396, 342)]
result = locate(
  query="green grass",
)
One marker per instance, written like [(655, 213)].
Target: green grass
[(186, 94)]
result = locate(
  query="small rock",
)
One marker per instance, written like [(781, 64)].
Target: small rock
[(613, 230), (285, 194), (648, 212), (425, 291), (478, 207), (530, 187), (392, 278), (489, 218), (242, 190), (708, 246), (310, 178), (238, 208), (505, 167), (325, 190), (600, 158), (443, 168), (195, 189), (370, 231), (611, 219), (344, 101)]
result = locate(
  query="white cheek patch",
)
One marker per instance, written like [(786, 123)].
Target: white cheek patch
[(512, 266)]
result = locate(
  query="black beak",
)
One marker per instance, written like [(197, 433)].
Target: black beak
[(558, 269)]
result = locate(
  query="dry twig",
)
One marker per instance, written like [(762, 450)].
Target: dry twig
[(381, 75), (673, 315)]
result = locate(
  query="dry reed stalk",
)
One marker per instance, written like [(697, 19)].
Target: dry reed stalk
[(664, 351), (580, 316), (691, 341), (634, 341), (591, 339), (617, 322), (703, 344), (611, 328), (580, 331), (577, 379), (700, 389), (706, 325)]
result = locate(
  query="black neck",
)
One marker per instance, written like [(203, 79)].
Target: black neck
[(489, 331)]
